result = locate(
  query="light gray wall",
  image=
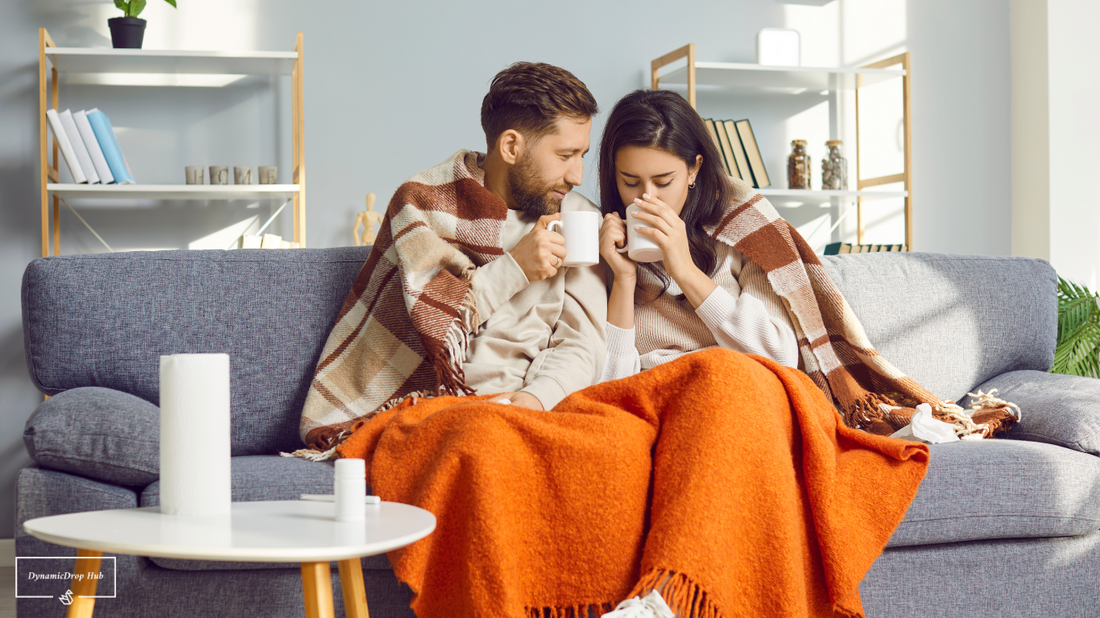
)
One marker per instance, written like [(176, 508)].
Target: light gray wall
[(394, 87)]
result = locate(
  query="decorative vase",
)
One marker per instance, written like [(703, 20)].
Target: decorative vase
[(126, 32)]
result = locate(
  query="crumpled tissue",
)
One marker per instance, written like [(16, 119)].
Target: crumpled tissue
[(652, 606), (926, 428)]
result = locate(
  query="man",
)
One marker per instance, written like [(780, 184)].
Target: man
[(545, 331), (465, 256)]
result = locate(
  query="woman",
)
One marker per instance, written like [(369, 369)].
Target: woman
[(657, 154)]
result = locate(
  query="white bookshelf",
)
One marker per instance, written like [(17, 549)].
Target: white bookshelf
[(174, 192), (787, 197), (755, 76), (79, 63), (754, 79)]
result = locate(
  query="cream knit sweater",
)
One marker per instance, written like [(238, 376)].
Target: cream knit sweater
[(743, 313)]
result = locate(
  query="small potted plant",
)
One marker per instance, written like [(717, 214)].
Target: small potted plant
[(128, 31)]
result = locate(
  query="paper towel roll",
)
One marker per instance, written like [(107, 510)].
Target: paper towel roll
[(194, 434)]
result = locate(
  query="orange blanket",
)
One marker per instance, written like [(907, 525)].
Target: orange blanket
[(727, 475)]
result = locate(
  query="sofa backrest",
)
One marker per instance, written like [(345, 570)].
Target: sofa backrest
[(952, 322), (104, 320)]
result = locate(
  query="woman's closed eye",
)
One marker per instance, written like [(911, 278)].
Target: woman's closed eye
[(659, 185)]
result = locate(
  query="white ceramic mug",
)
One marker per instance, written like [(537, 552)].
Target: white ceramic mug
[(581, 230), (638, 247)]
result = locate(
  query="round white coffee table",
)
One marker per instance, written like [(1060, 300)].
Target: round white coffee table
[(287, 531)]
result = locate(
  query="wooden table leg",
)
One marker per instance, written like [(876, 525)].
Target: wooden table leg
[(317, 590), (355, 594), (84, 585)]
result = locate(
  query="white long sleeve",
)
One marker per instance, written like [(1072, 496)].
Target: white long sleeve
[(744, 324), (622, 360)]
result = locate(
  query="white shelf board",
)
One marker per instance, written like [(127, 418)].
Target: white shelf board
[(742, 75), (108, 60), (785, 197), (173, 192)]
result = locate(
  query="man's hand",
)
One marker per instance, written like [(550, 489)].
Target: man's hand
[(541, 252), (523, 400)]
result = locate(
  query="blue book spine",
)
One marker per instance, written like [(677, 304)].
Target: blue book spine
[(105, 135)]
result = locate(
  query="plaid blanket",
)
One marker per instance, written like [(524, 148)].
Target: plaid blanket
[(406, 322), (871, 393)]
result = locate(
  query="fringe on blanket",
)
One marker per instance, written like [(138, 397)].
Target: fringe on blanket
[(683, 595), (591, 610)]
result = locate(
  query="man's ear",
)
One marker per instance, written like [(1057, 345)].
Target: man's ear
[(511, 145)]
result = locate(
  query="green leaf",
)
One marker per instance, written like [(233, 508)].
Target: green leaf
[(172, 2), (124, 6), (1078, 347), (136, 7)]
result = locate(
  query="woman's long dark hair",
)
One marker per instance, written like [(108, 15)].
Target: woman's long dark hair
[(664, 120)]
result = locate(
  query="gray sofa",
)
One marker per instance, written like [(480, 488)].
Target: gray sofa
[(999, 528)]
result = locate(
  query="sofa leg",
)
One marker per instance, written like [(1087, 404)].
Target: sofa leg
[(83, 601), (317, 590), (351, 583)]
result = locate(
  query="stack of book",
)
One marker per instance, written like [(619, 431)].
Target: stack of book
[(89, 146), (836, 248), (740, 155)]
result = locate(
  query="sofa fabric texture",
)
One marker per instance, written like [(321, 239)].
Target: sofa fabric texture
[(998, 528)]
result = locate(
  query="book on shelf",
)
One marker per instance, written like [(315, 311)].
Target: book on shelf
[(92, 144), (739, 155), (727, 150), (105, 135), (839, 248), (710, 126), (65, 146), (756, 163), (82, 156)]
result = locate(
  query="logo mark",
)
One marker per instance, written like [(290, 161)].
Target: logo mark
[(67, 598)]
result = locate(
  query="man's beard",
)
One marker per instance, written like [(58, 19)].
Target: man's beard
[(530, 193)]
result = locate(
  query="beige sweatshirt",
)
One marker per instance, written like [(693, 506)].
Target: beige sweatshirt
[(545, 338)]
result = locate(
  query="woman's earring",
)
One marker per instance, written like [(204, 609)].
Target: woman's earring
[(691, 185)]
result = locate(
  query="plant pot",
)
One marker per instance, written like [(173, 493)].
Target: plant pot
[(126, 32)]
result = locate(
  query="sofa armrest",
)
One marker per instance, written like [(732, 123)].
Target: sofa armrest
[(97, 433), (1056, 409)]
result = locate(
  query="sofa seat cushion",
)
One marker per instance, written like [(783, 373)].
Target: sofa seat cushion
[(1002, 489), (1056, 409), (98, 433), (263, 477)]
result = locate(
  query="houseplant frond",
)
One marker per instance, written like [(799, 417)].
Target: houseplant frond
[(1078, 348)]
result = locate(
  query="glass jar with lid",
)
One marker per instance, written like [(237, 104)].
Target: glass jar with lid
[(798, 166), (834, 167)]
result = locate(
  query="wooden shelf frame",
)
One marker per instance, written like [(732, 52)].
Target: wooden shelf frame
[(54, 60), (730, 74)]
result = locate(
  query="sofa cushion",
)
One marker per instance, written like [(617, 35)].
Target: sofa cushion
[(105, 319), (99, 433), (263, 477), (1057, 409), (1002, 489), (952, 321)]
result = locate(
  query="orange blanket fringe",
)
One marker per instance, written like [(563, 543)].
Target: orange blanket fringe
[(727, 480)]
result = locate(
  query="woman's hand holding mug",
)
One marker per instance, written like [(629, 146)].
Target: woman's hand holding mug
[(613, 247), (663, 226)]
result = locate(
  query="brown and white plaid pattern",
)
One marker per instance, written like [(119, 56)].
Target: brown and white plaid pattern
[(405, 325), (871, 393)]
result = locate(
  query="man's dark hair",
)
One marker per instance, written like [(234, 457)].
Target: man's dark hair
[(529, 97)]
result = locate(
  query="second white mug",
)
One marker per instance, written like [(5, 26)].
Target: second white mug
[(638, 246), (581, 230)]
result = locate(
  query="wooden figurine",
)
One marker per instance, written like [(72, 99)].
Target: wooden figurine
[(368, 218)]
